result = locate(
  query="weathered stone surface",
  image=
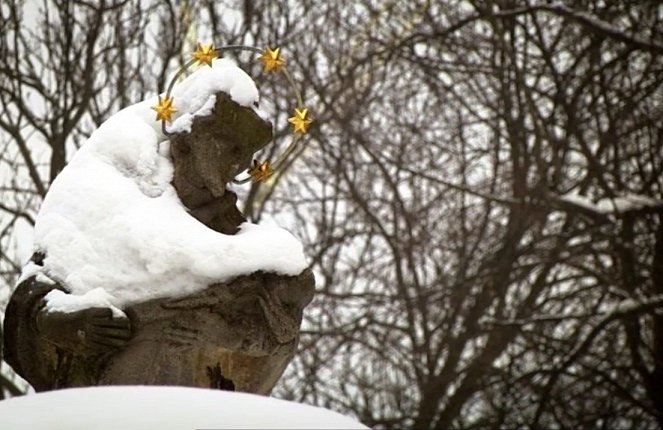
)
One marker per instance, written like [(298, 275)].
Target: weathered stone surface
[(246, 329), (236, 335)]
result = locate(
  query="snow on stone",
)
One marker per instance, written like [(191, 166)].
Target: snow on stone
[(112, 220), (163, 408), (185, 121), (59, 301), (196, 97), (30, 270), (194, 92)]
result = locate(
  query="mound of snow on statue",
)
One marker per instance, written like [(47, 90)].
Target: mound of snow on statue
[(163, 408), (111, 219)]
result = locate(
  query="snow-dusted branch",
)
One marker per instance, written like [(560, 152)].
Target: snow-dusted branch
[(624, 308), (586, 19), (619, 310), (602, 27), (608, 207), (581, 17)]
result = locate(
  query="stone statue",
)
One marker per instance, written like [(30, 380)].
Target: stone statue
[(238, 335)]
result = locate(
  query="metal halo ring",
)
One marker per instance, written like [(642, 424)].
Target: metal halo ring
[(281, 160)]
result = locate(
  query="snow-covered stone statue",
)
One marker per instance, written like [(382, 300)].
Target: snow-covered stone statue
[(145, 271)]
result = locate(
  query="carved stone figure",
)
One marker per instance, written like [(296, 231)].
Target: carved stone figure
[(238, 335)]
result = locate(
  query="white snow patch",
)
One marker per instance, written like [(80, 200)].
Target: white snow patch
[(625, 305), (195, 96), (193, 93), (627, 203), (631, 304), (59, 301), (112, 220), (31, 269), (184, 122), (607, 206), (163, 408), (579, 200)]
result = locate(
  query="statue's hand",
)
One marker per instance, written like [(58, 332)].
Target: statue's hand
[(88, 331)]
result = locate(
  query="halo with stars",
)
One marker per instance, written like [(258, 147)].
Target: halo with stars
[(273, 61)]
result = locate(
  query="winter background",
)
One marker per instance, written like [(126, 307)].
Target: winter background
[(480, 198)]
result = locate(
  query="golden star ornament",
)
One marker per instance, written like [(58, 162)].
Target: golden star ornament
[(205, 54), (301, 121), (165, 109), (261, 171), (272, 59)]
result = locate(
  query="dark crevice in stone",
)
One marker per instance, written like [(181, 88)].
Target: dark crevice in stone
[(217, 381)]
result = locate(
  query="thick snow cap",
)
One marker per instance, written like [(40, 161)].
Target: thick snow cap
[(113, 228)]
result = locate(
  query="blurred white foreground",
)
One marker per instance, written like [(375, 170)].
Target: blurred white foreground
[(163, 408)]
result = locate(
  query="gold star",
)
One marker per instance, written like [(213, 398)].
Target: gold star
[(272, 59), (165, 109), (301, 120), (261, 171), (204, 53)]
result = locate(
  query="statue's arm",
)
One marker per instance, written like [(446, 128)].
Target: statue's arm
[(91, 331), (22, 344), (36, 338)]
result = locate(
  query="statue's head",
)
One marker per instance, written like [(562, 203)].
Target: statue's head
[(219, 147)]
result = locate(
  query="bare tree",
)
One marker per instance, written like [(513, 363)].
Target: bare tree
[(460, 285)]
